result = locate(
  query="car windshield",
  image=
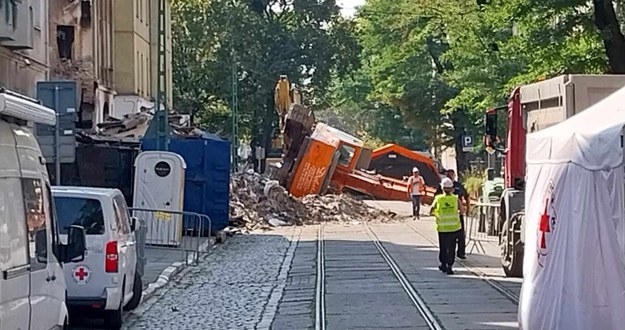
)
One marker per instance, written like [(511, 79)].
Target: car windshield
[(83, 212)]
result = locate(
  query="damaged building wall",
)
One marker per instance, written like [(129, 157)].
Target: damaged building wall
[(132, 57), (24, 56), (74, 55)]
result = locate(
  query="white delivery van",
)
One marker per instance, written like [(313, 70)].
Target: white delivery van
[(32, 285), (107, 280)]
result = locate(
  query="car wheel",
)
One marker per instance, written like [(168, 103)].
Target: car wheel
[(137, 291)]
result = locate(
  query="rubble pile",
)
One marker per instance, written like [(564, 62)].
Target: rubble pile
[(259, 203)]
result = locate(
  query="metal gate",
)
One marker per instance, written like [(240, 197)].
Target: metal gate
[(482, 225), (188, 232)]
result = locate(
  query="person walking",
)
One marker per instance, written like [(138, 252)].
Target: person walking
[(461, 192), (416, 189), (446, 208)]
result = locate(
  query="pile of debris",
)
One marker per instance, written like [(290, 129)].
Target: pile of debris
[(259, 203)]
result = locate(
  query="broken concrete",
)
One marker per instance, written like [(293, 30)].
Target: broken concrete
[(259, 203)]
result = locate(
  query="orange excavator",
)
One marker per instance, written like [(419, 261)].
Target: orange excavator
[(325, 159)]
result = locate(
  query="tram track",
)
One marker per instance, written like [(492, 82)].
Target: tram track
[(432, 322), (320, 317), (320, 312), (511, 295), (430, 317)]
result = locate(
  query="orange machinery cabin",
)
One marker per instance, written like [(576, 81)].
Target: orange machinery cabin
[(396, 162), (332, 158), (324, 152)]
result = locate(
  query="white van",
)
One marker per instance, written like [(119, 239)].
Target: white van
[(32, 285), (107, 280)]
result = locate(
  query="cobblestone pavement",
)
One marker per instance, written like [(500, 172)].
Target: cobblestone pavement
[(231, 289)]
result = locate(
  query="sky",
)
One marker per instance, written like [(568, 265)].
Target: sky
[(349, 6)]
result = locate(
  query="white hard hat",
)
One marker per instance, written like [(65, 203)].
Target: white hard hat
[(415, 169), (447, 183)]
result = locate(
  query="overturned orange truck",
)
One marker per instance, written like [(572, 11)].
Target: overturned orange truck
[(332, 160)]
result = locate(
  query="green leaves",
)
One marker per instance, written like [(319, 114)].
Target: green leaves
[(304, 39), (439, 64), (416, 72)]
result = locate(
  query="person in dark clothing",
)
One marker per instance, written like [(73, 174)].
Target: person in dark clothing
[(461, 192), (447, 209)]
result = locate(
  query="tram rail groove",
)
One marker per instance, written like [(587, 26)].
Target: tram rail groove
[(431, 320), (512, 296), (320, 314)]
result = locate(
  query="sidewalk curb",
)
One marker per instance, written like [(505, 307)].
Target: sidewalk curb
[(170, 272)]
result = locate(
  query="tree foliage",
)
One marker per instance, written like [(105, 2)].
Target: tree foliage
[(415, 72), (307, 40), (441, 63)]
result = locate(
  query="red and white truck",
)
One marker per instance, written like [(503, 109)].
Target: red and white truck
[(531, 108)]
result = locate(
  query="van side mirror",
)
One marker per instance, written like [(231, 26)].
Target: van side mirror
[(133, 223), (41, 245), (76, 244)]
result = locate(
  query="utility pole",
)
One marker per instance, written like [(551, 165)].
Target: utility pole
[(235, 105), (161, 114)]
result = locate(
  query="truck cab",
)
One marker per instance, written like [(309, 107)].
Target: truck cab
[(32, 284)]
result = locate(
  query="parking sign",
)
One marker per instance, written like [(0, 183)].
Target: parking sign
[(467, 143)]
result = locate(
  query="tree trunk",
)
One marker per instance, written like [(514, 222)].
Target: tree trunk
[(613, 39), (266, 127), (461, 157), (458, 119)]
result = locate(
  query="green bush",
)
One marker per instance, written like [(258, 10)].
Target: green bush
[(473, 181)]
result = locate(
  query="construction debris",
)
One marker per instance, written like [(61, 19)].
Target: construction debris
[(259, 203)]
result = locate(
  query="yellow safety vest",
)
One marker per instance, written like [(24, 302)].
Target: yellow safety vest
[(446, 212)]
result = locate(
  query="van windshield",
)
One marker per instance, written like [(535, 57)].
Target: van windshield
[(83, 212)]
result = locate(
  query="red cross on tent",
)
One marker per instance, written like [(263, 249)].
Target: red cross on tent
[(544, 225), (81, 273)]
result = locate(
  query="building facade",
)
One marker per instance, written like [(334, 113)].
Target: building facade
[(81, 46), (136, 42), (23, 44)]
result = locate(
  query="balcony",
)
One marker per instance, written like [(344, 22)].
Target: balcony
[(16, 24)]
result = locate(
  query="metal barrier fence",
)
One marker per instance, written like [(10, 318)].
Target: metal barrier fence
[(188, 232), (482, 225)]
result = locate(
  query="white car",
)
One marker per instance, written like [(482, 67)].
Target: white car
[(107, 280), (32, 285)]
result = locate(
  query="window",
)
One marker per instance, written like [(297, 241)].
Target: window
[(147, 13), (10, 13), (13, 248), (86, 212), (137, 73), (65, 41), (346, 154), (141, 88), (121, 213), (35, 12), (36, 216)]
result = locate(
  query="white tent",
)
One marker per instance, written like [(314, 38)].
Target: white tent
[(574, 266)]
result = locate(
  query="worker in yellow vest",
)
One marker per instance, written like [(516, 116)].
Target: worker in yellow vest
[(446, 209)]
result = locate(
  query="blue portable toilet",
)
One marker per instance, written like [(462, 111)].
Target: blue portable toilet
[(207, 178)]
